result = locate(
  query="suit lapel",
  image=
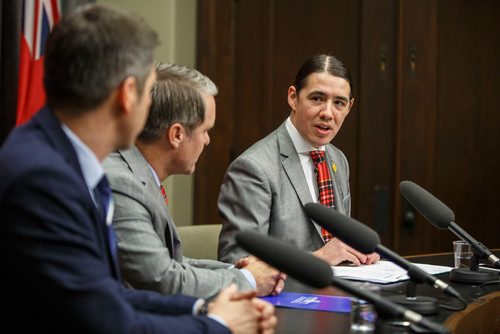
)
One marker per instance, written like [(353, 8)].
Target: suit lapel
[(292, 166), (140, 168), (336, 187), (51, 128)]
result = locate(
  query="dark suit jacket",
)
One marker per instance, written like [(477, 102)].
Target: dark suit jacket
[(57, 274)]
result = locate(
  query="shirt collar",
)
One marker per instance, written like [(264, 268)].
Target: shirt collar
[(301, 145), (157, 179), (90, 165)]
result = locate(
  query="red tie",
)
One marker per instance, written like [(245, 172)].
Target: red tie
[(164, 193), (325, 186)]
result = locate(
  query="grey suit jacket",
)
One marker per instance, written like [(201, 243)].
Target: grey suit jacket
[(150, 250), (265, 190)]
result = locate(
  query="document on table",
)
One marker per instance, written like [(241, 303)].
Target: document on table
[(383, 272)]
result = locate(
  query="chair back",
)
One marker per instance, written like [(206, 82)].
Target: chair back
[(200, 241)]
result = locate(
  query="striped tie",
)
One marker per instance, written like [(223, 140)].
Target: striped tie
[(325, 186)]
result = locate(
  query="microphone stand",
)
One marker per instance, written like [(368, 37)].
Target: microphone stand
[(421, 304), (387, 308), (473, 275)]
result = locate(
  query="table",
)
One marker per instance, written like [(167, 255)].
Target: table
[(481, 315)]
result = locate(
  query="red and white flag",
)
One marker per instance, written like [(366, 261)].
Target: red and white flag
[(39, 16)]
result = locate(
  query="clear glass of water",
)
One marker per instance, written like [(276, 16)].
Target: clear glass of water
[(363, 314), (463, 254)]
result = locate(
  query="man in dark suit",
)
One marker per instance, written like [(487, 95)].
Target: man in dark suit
[(59, 271)]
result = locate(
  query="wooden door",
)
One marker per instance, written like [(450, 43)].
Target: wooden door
[(449, 124)]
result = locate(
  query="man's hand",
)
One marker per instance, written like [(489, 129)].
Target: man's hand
[(335, 251), (268, 319), (269, 280), (242, 312), (372, 258), (245, 261)]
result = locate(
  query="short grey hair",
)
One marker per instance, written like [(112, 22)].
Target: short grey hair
[(177, 97)]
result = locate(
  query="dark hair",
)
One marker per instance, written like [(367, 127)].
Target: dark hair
[(322, 63), (90, 52), (177, 97)]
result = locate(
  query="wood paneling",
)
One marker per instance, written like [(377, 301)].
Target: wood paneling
[(417, 108), (427, 90), (215, 59), (468, 119), (376, 110)]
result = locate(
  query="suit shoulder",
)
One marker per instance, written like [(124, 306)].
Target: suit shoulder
[(265, 147), (336, 152), (30, 155), (119, 173)]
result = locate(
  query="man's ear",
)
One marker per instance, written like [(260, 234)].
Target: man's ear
[(292, 97), (351, 103), (175, 134), (127, 94)]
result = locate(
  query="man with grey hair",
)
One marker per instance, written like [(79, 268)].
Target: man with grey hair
[(181, 115)]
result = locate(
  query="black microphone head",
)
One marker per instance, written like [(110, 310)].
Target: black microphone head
[(355, 234), (300, 265), (429, 206)]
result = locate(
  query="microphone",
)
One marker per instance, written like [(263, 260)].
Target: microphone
[(442, 217), (366, 240), (315, 272)]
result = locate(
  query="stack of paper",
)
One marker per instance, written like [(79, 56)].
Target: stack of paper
[(383, 272)]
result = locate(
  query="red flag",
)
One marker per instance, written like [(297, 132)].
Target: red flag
[(39, 16)]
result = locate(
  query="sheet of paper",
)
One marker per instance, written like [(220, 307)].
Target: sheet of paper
[(383, 272)]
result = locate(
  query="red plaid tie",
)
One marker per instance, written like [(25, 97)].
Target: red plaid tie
[(325, 185), (164, 193)]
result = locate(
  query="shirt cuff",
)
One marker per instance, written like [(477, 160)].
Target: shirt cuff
[(197, 306), (249, 277)]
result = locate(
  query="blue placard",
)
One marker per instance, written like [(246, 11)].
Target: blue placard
[(313, 302)]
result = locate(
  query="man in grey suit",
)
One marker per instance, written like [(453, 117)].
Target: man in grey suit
[(182, 112), (266, 187)]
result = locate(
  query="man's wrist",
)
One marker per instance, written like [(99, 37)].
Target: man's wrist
[(201, 309)]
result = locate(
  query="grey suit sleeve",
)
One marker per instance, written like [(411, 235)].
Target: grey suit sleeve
[(244, 203), (208, 264), (146, 262)]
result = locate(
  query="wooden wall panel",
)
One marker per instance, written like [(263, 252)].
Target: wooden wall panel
[(376, 112), (417, 106), (468, 119), (215, 59), (252, 49)]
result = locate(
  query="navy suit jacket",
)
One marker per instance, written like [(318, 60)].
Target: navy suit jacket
[(56, 273)]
